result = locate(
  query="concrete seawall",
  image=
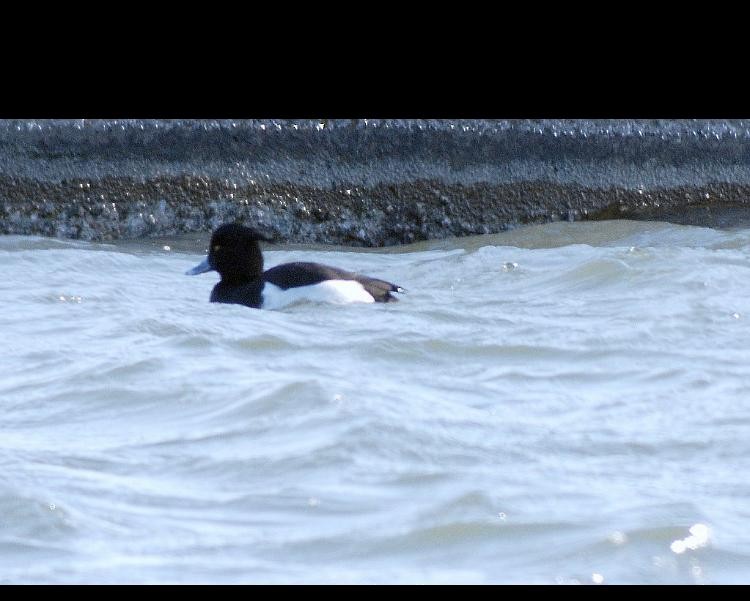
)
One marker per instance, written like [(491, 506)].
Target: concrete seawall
[(364, 182)]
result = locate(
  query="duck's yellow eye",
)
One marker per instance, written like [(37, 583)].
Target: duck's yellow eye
[(216, 247)]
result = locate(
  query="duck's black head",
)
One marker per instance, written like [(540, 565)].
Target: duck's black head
[(235, 253)]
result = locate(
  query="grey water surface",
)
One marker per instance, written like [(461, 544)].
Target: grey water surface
[(564, 403)]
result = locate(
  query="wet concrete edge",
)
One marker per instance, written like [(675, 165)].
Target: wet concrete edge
[(362, 182)]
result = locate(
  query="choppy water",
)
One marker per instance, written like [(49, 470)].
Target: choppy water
[(557, 404)]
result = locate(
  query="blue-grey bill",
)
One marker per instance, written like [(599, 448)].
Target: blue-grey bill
[(201, 267)]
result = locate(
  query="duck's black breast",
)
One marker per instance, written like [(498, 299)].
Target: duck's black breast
[(248, 294), (293, 275)]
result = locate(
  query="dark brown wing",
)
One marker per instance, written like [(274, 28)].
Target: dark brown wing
[(292, 275)]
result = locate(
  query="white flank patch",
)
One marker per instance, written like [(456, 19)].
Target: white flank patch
[(329, 291)]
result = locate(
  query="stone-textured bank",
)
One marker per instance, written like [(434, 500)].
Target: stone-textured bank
[(364, 182)]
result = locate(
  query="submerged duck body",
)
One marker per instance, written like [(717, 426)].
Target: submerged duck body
[(235, 253)]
